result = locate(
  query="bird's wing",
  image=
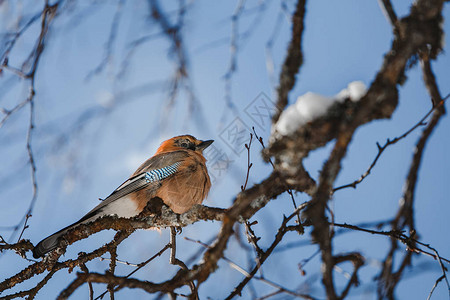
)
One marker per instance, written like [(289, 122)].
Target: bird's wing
[(161, 160), (149, 175)]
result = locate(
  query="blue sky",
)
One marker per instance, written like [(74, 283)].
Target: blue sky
[(85, 147)]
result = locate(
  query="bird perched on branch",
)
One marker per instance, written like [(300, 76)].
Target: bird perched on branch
[(176, 174)]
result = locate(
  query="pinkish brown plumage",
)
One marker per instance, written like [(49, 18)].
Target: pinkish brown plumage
[(176, 173)]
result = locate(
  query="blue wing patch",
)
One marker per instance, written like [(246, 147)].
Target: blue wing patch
[(141, 181), (160, 174)]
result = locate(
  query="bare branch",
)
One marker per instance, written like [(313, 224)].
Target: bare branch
[(249, 164), (388, 10), (390, 142), (293, 60), (91, 289), (434, 286), (140, 266), (111, 40), (48, 14), (400, 236), (284, 228)]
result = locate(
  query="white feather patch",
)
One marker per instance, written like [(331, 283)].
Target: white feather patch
[(123, 207)]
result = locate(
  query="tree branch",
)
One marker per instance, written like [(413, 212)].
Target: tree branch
[(293, 60)]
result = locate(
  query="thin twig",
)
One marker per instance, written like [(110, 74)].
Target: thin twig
[(119, 261), (388, 10), (400, 237), (289, 191), (229, 261), (109, 45), (248, 275), (91, 289), (439, 259), (253, 239), (25, 226), (48, 14), (173, 245), (140, 266), (271, 41), (232, 65), (281, 289), (249, 164), (390, 142), (282, 230), (175, 261), (112, 269), (434, 286)]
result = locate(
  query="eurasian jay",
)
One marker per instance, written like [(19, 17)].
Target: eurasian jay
[(176, 174)]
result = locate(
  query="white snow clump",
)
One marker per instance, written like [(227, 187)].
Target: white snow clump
[(310, 106)]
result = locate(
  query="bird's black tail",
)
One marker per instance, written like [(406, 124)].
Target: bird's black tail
[(49, 243), (52, 242)]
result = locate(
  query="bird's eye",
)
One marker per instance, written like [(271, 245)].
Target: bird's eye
[(184, 145)]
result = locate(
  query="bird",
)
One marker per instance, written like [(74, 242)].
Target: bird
[(176, 174)]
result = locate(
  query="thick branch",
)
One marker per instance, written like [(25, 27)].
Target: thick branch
[(293, 60)]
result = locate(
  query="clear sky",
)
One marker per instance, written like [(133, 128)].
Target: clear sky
[(93, 131)]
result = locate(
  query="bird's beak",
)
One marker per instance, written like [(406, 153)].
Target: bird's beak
[(203, 145)]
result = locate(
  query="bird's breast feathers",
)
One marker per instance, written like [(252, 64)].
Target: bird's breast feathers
[(182, 176)]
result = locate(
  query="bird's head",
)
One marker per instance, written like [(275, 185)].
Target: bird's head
[(184, 142)]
